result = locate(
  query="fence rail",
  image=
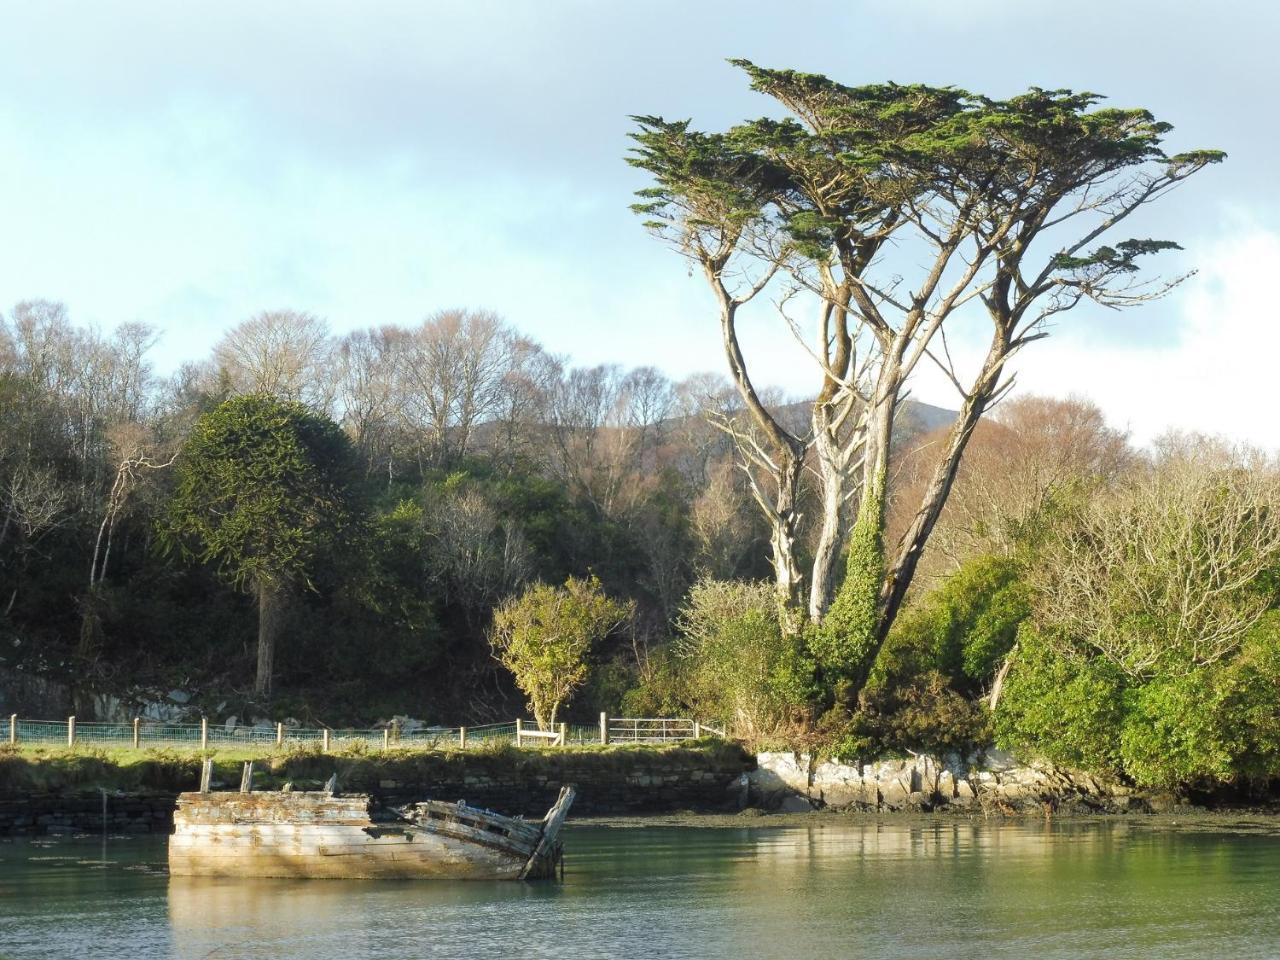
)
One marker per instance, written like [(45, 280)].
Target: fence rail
[(204, 735)]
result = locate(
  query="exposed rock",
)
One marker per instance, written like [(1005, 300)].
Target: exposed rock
[(739, 791), (995, 781), (795, 804)]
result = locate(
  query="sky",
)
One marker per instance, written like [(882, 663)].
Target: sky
[(190, 164)]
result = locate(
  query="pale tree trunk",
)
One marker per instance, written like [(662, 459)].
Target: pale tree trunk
[(270, 610), (834, 442), (780, 457), (784, 519), (997, 685), (836, 474)]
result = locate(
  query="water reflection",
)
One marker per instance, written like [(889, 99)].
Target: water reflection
[(896, 889)]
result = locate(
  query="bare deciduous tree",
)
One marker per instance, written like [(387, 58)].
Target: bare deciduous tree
[(452, 372), (282, 353), (1169, 569), (1029, 452)]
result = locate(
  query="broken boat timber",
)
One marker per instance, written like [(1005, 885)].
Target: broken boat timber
[(319, 834)]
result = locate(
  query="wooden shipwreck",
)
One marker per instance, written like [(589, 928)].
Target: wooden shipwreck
[(289, 833)]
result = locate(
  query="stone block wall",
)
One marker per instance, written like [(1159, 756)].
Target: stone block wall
[(85, 813)]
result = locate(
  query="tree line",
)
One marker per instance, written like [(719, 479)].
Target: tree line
[(476, 461)]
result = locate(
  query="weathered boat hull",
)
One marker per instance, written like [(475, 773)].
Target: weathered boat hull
[(317, 835), (283, 850)]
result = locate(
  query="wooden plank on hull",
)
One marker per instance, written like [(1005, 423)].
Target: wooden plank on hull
[(313, 834)]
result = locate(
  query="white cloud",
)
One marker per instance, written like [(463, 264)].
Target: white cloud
[(1221, 372)]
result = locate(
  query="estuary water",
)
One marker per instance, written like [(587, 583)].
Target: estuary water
[(829, 888)]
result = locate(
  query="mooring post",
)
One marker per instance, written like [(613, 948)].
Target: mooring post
[(519, 732), (324, 740), (279, 734), (386, 738), (564, 734), (13, 729), (246, 778), (604, 728), (204, 734), (206, 775), (71, 731), (462, 738), (137, 732)]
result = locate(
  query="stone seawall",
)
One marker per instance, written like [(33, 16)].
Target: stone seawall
[(86, 813), (625, 780), (993, 782)]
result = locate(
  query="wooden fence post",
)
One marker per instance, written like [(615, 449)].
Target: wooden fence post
[(137, 732), (564, 734), (204, 734), (519, 732), (604, 728), (386, 738), (279, 734), (71, 731), (324, 740), (462, 738), (13, 729), (697, 730)]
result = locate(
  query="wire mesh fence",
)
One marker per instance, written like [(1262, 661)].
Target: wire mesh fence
[(146, 734)]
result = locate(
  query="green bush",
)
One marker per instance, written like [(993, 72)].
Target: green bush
[(1248, 693), (661, 690), (1172, 732), (738, 664), (1204, 727), (962, 629), (1067, 711), (923, 715)]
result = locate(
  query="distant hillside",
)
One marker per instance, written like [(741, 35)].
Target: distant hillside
[(917, 417), (914, 418)]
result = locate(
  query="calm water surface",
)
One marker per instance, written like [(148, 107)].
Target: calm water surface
[(833, 889)]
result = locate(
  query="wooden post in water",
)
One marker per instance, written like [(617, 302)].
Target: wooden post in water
[(564, 734), (324, 740), (206, 775), (279, 734), (246, 778), (137, 732), (13, 729), (462, 738), (604, 728), (71, 731), (519, 732), (204, 734)]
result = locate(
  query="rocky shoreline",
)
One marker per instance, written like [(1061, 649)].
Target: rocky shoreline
[(992, 782)]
